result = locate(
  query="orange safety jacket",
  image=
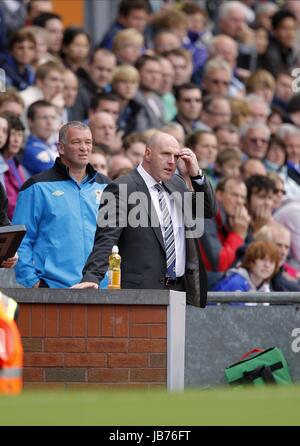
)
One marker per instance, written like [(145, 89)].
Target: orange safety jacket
[(11, 355)]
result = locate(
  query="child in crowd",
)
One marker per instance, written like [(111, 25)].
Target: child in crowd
[(260, 263)]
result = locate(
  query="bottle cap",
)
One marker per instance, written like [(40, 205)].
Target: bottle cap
[(115, 249)]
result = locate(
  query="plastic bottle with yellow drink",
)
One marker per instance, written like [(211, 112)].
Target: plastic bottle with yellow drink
[(114, 269)]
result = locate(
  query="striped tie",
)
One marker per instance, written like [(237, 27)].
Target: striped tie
[(168, 233)]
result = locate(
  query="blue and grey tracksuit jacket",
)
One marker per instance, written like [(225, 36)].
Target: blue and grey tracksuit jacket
[(60, 217)]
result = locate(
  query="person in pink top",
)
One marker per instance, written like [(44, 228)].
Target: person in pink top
[(12, 174)]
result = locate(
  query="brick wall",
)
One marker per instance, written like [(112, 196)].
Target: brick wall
[(74, 346)]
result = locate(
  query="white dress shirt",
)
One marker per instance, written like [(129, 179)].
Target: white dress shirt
[(178, 228)]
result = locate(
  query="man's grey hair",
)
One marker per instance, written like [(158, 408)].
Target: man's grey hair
[(287, 129), (171, 126), (254, 125), (213, 43), (227, 7), (62, 136), (217, 63), (255, 98)]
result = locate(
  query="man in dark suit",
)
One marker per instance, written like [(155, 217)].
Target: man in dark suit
[(158, 253)]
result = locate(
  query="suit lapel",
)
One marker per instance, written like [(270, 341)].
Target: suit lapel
[(142, 187)]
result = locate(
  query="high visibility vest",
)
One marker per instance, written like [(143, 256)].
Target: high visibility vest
[(11, 355)]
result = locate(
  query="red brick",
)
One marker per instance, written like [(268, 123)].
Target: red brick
[(107, 320), (158, 331), (51, 320), (44, 385), (33, 374), (94, 315), (107, 345), (65, 374), (38, 320), (108, 375), (139, 331), (64, 345), (32, 344), (148, 345), (44, 359), (159, 360), (148, 375), (79, 320), (148, 314), (107, 386), (127, 360), (65, 320), (85, 360), (24, 319), (121, 321)]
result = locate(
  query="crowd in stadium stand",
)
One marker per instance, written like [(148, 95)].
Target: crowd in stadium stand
[(221, 77)]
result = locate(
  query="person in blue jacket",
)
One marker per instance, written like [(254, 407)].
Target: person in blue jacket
[(259, 265), (59, 209)]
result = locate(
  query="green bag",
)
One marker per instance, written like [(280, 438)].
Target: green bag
[(266, 367)]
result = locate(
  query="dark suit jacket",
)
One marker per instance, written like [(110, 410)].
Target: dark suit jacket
[(142, 248)]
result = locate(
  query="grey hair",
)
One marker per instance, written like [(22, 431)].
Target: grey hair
[(227, 7), (217, 63), (287, 129), (254, 98), (254, 125), (172, 126), (62, 136)]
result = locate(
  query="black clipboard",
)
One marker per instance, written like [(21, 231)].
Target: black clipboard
[(10, 239)]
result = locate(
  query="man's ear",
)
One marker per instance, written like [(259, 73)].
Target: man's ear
[(60, 148), (147, 155)]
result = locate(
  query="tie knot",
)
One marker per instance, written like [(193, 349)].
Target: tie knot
[(158, 187)]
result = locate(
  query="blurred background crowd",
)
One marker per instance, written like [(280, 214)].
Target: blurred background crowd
[(222, 77)]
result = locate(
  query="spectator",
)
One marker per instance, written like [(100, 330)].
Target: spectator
[(4, 221), (228, 163), (75, 51), (283, 90), (68, 196), (227, 231), (39, 152), (279, 191), (228, 136), (233, 17), (165, 41), (182, 63), (205, 146), (216, 77), (134, 148), (288, 216), (293, 110), (240, 113), (255, 139), (290, 135), (131, 14), (98, 160), (18, 71), (12, 174), (118, 166), (70, 93), (280, 54), (11, 101), (276, 155), (252, 167), (106, 102), (261, 83), (260, 191), (260, 264), (96, 79), (259, 109), (166, 88), (54, 25), (36, 8), (125, 83), (41, 54), (103, 128), (189, 105), (127, 46), (264, 13), (287, 278), (275, 119), (152, 112), (49, 85), (176, 130), (216, 111)]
